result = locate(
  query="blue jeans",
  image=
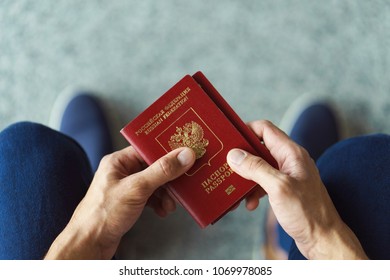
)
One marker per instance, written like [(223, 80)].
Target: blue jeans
[(44, 175), (356, 173)]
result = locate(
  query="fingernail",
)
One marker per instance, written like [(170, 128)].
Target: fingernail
[(236, 156), (185, 157)]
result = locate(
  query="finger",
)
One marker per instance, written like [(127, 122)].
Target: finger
[(126, 160), (276, 141), (155, 203), (253, 168), (253, 199), (272, 136), (161, 203), (165, 169), (167, 202)]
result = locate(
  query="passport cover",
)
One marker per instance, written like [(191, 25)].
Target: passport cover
[(192, 113)]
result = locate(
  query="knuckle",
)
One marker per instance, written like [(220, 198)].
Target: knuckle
[(296, 152), (256, 163), (302, 153), (109, 159), (259, 124), (266, 122), (166, 167), (268, 125), (303, 156), (106, 159), (106, 162)]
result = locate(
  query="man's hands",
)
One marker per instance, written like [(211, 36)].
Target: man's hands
[(297, 196), (123, 185), (116, 198)]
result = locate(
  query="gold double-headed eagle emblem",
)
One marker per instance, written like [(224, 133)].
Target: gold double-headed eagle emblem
[(190, 135)]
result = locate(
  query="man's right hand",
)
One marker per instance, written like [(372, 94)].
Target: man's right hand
[(297, 196)]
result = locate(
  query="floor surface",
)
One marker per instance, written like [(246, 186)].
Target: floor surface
[(261, 56)]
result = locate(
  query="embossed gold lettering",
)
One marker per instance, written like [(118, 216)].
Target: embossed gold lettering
[(217, 178)]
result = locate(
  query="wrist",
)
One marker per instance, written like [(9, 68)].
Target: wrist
[(337, 242), (82, 239), (75, 242)]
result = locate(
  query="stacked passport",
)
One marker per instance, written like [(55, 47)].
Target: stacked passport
[(193, 114)]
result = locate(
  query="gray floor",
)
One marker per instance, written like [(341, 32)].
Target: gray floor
[(261, 55)]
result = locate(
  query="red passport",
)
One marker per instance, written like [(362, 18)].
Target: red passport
[(192, 113)]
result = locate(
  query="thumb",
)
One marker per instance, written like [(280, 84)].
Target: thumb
[(165, 169), (252, 168)]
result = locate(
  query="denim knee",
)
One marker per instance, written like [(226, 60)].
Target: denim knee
[(44, 176), (356, 174), (30, 140)]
